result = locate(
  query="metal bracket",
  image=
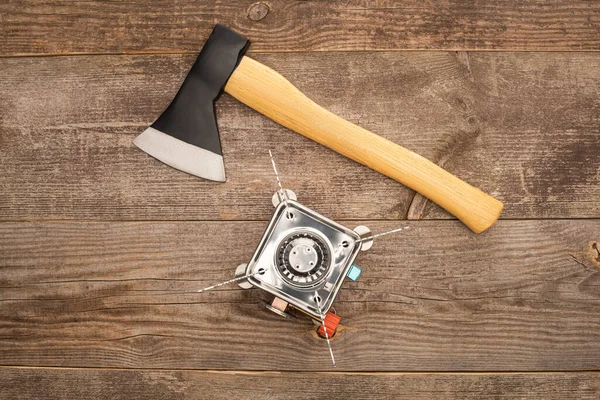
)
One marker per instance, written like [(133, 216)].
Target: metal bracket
[(364, 232), (278, 197), (239, 272)]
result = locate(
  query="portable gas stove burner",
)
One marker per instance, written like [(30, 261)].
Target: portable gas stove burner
[(302, 259)]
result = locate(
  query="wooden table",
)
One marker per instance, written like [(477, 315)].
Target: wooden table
[(102, 248)]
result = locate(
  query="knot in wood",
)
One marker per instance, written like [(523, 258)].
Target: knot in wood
[(596, 253), (258, 11)]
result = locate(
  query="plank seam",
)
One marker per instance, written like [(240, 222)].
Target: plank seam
[(101, 221), (188, 52), (325, 372)]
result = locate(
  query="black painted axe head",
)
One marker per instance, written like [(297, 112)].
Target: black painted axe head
[(186, 136)]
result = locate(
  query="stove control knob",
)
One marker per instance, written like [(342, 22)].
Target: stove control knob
[(331, 323)]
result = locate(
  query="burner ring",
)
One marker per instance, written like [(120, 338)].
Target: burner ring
[(303, 258)]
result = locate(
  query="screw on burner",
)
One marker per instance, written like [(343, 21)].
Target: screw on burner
[(303, 258)]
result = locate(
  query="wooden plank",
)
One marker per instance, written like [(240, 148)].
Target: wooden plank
[(54, 383), (523, 296), (64, 27), (521, 126)]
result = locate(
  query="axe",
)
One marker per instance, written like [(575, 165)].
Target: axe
[(186, 137)]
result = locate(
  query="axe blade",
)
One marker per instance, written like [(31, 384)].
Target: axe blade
[(181, 155), (185, 136)]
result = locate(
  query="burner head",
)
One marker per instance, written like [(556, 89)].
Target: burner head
[(303, 258)]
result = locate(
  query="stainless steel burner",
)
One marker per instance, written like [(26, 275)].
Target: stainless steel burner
[(304, 255), (303, 258)]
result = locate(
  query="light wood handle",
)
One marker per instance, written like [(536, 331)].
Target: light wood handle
[(269, 93)]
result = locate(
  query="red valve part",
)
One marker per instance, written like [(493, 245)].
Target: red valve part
[(331, 322)]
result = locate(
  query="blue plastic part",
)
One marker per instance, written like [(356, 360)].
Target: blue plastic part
[(354, 272)]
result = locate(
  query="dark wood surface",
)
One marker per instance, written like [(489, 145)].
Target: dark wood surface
[(523, 296), (63, 27), (102, 248), (187, 385), (521, 126)]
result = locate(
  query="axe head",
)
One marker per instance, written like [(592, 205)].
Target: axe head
[(185, 136)]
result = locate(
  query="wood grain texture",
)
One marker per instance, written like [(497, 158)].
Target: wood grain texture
[(114, 304), (523, 127), (59, 27), (268, 92), (525, 295), (85, 384)]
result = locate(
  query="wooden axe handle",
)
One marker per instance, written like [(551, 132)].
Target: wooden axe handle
[(269, 93)]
